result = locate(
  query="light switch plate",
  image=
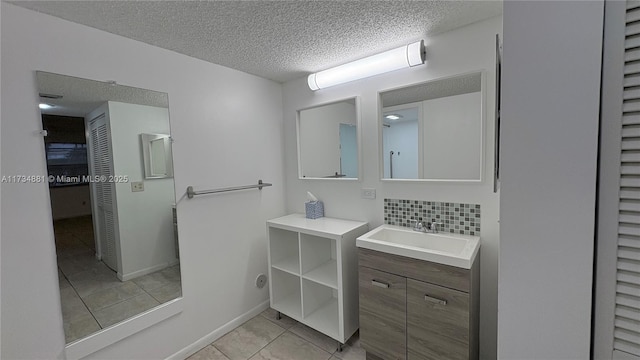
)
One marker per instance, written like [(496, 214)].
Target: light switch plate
[(368, 193), (137, 186)]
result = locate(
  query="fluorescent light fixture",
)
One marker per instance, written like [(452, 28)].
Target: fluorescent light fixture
[(45, 106), (402, 57), (393, 117)]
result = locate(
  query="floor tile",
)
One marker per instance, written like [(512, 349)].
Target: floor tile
[(248, 339), (154, 280), (319, 339), (62, 280), (168, 292), (352, 350), (107, 297), (172, 273), (80, 327), (101, 270), (208, 353), (68, 253), (72, 306), (125, 309), (88, 282), (291, 347), (285, 321), (73, 265)]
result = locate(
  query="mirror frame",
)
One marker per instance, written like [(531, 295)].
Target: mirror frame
[(483, 116), (356, 99), (99, 340)]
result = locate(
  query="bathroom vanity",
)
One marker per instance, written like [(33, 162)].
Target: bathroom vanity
[(313, 267), (415, 308)]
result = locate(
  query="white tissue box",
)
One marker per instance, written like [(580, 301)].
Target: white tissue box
[(314, 209)]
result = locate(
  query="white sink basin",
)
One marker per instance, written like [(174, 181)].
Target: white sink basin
[(443, 248)]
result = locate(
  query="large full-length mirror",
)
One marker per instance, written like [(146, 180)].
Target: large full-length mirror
[(328, 141), (434, 130), (115, 232)]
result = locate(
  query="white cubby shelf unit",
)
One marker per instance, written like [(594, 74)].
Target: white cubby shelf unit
[(313, 267)]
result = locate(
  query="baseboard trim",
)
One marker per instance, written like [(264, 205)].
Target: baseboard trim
[(147, 271), (218, 333)]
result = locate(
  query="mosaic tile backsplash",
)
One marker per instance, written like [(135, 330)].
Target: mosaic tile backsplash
[(457, 218)]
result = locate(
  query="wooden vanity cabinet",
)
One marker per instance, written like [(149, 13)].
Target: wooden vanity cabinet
[(383, 313), (437, 322), (428, 311)]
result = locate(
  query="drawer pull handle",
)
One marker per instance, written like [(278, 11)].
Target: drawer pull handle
[(435, 300), (379, 284)]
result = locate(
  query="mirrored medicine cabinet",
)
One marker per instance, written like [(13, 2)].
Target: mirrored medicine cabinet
[(433, 131), (328, 141)]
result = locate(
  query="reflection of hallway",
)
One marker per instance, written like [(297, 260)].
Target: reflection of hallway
[(92, 297)]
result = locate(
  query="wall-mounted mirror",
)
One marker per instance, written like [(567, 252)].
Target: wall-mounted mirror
[(328, 141), (434, 130), (156, 153), (115, 237)]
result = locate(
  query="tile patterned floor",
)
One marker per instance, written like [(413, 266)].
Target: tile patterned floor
[(266, 338), (91, 294)]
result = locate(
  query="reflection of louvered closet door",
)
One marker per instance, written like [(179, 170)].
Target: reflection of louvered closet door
[(616, 331), (627, 299), (102, 167)]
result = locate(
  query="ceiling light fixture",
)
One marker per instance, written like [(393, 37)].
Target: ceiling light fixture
[(406, 56), (45, 106), (50, 96), (393, 117)]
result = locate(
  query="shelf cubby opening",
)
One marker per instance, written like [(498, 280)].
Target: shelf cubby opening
[(286, 293), (284, 250), (319, 260), (320, 304)]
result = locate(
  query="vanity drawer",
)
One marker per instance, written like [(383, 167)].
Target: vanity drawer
[(383, 308), (445, 275), (437, 322)]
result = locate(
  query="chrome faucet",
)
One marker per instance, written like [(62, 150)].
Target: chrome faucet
[(419, 227), (434, 227)]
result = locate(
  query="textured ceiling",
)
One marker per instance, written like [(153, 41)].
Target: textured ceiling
[(458, 85), (81, 96), (278, 40)]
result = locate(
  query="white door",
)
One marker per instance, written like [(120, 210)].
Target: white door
[(102, 190), (616, 330)]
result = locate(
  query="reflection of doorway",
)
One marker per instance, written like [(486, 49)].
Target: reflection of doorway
[(348, 150), (67, 167), (401, 142)]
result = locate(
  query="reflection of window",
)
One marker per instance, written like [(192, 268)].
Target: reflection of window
[(67, 162)]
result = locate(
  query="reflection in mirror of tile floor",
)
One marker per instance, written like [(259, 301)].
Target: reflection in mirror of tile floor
[(265, 338), (91, 295)]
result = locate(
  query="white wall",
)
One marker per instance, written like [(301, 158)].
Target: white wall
[(145, 219), (452, 117), (70, 201), (550, 104), (459, 51), (223, 240)]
